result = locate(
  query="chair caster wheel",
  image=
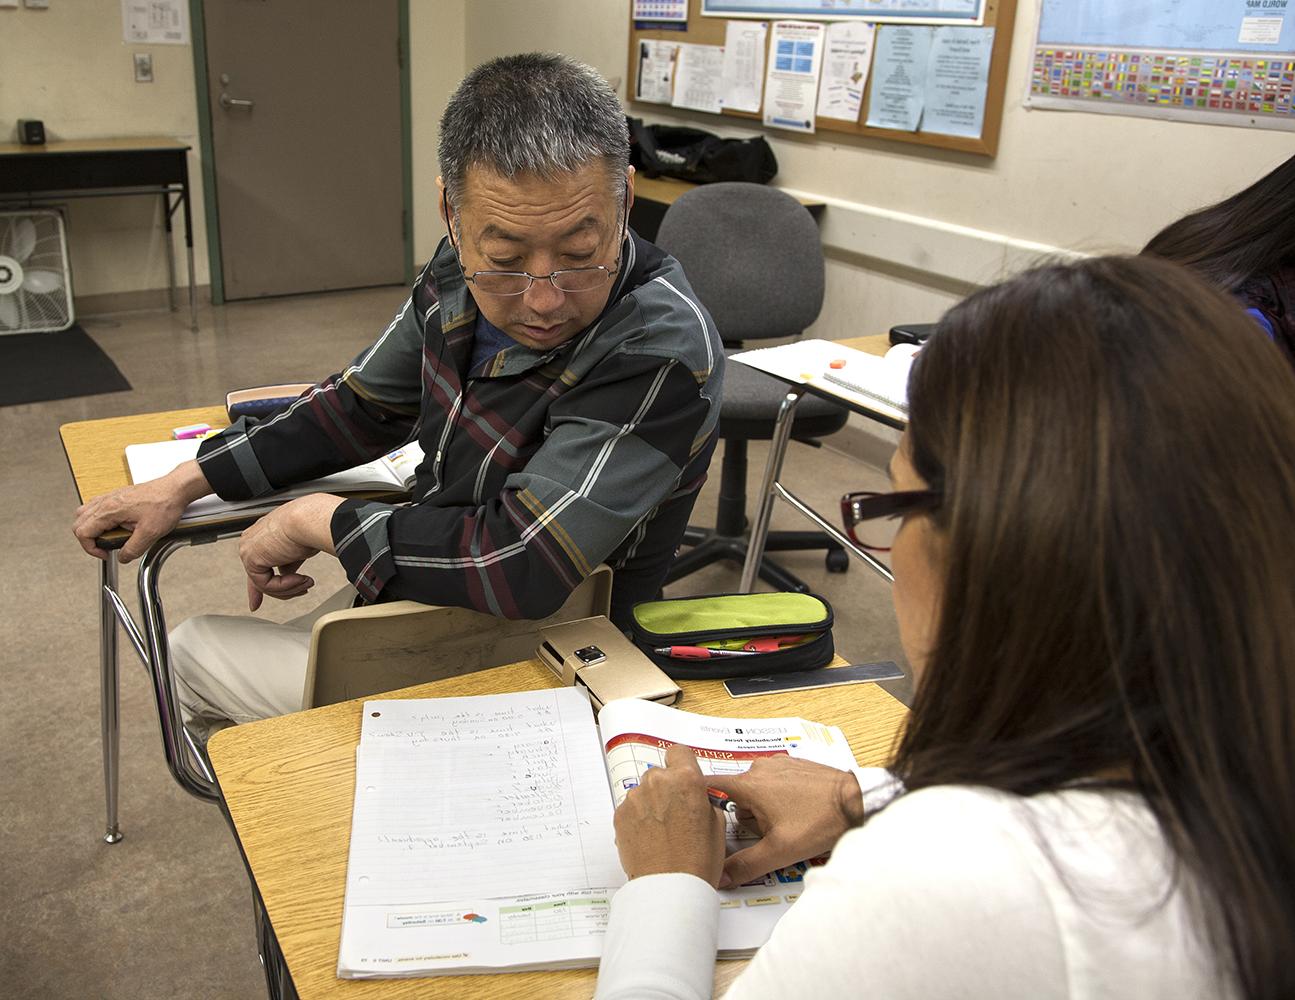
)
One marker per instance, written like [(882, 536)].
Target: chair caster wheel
[(838, 560)]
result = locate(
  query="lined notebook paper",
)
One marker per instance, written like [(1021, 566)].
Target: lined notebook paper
[(482, 838), (464, 797)]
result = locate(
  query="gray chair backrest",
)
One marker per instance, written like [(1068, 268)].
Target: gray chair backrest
[(753, 256)]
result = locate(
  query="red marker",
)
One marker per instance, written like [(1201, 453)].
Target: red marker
[(699, 652)]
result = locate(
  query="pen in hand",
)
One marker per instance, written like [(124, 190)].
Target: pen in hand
[(721, 801)]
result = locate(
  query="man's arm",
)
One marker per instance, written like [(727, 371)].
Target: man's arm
[(149, 510), (348, 419), (619, 442)]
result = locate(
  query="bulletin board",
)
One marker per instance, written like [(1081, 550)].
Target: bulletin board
[(702, 30)]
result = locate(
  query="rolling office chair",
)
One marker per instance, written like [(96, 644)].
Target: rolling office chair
[(754, 258)]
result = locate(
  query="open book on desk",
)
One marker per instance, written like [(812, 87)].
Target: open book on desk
[(482, 836), (392, 473), (877, 384)]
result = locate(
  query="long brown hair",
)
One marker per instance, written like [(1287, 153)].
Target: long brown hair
[(1242, 237), (1117, 459)]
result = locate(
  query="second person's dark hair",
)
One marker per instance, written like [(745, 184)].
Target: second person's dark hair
[(1241, 237), (1115, 454)]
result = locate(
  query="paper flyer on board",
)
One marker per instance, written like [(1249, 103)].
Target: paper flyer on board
[(791, 86), (957, 78), (899, 77), (656, 63), (742, 78), (846, 59), (698, 78)]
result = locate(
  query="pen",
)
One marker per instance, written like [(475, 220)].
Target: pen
[(721, 801), (700, 652)]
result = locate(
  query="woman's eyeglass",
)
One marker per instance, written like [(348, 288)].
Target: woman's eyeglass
[(571, 279), (873, 519)]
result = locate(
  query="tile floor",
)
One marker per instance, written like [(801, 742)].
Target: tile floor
[(166, 912)]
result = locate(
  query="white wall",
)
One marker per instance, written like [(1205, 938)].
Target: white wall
[(68, 66), (909, 229), (437, 64), (1076, 181)]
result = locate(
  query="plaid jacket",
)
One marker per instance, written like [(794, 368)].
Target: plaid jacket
[(538, 466)]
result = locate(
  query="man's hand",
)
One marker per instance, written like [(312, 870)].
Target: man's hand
[(667, 823), (799, 808), (274, 548), (149, 511)]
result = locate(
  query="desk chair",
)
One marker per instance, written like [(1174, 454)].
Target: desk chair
[(754, 257), (365, 651)]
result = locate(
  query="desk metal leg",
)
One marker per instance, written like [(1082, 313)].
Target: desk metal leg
[(772, 470), (188, 247), (167, 209), (187, 765), (109, 693)]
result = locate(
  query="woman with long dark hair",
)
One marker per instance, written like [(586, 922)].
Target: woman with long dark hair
[(1245, 245), (1095, 588)]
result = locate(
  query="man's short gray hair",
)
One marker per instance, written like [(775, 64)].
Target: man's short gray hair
[(536, 113)]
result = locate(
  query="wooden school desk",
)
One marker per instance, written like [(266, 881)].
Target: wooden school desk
[(104, 168), (288, 785), (771, 489), (96, 455)]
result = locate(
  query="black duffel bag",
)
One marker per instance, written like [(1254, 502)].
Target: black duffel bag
[(691, 154)]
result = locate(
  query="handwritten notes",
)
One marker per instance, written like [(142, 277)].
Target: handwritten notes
[(463, 798)]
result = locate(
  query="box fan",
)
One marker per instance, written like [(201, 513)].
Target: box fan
[(35, 283)]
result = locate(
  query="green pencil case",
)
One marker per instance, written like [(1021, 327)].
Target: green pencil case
[(743, 635)]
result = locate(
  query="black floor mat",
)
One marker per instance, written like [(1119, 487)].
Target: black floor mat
[(41, 366)]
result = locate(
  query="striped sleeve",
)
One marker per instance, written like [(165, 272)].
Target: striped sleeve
[(346, 420), (619, 441)]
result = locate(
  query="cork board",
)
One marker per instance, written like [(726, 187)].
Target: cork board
[(700, 30)]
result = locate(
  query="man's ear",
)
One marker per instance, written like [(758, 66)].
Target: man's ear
[(440, 200), (629, 189)]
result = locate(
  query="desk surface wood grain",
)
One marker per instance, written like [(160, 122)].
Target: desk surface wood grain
[(125, 145), (96, 449), (873, 343), (289, 784)]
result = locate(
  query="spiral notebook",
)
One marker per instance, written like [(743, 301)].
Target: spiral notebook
[(877, 384)]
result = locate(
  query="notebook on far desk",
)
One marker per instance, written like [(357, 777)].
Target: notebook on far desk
[(875, 384)]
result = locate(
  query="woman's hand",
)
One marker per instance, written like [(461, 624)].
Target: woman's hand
[(667, 823), (799, 808)]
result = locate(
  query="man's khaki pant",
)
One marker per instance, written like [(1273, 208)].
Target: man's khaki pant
[(231, 669)]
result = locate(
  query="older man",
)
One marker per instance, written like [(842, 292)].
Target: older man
[(557, 370)]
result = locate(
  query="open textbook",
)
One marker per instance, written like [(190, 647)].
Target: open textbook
[(879, 384), (393, 473), (482, 837)]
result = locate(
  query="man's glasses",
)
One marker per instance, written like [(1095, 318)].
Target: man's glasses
[(873, 519), (572, 279)]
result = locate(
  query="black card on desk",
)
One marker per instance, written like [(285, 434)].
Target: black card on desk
[(804, 680), (911, 333)]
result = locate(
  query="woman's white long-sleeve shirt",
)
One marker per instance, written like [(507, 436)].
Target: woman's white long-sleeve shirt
[(949, 892)]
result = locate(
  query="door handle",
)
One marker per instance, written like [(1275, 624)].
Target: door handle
[(229, 103)]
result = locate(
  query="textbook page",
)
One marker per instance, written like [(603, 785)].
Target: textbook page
[(876, 384), (481, 838), (432, 888), (636, 735), (394, 471)]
